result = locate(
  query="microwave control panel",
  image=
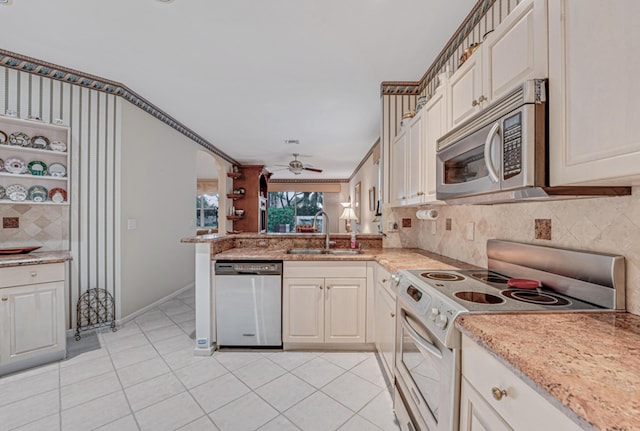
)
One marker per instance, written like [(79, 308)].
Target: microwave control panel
[(512, 146)]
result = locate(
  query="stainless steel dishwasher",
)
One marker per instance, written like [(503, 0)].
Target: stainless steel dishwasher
[(248, 299)]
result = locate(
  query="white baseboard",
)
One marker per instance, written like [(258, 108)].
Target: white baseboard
[(153, 305)]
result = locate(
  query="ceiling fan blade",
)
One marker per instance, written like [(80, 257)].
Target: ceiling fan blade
[(312, 169)]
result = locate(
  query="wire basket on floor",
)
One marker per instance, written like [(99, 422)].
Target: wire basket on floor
[(95, 309)]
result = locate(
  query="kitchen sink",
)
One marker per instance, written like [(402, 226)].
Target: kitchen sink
[(322, 251), (342, 251), (305, 251)]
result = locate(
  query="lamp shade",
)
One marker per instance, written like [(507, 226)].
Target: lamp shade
[(348, 214)]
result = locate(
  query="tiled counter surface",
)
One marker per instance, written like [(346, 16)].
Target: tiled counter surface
[(35, 258), (392, 259), (586, 364)]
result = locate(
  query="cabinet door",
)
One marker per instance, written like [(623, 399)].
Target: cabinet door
[(397, 174), (516, 50), (593, 85), (32, 319), (436, 123), (465, 87), (385, 328), (414, 160), (476, 414), (303, 310), (345, 310)]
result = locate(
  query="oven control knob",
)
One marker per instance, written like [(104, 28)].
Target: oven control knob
[(434, 313), (442, 321)]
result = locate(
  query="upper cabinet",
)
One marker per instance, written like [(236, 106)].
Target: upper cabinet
[(514, 52), (594, 98), (34, 162)]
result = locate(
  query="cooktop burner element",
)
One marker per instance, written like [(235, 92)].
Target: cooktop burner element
[(442, 276), (490, 277), (479, 297), (535, 297)]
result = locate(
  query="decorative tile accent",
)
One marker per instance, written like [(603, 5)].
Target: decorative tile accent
[(10, 222), (406, 222), (543, 228)]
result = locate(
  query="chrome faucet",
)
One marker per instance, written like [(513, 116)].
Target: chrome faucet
[(325, 229)]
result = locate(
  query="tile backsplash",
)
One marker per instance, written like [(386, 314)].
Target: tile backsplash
[(608, 225), (38, 224)]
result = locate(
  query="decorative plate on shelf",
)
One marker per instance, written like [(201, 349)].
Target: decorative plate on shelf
[(15, 165), (17, 192), (58, 146), (39, 142), (37, 168), (3, 193), (38, 193), (19, 138), (4, 139), (57, 170), (16, 250), (58, 195)]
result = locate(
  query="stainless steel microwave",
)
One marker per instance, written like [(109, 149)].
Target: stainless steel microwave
[(501, 149)]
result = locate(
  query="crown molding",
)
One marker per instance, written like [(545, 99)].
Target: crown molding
[(399, 88), (37, 67)]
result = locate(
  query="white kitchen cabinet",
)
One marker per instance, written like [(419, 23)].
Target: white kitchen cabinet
[(593, 85), (414, 160), (324, 302), (32, 311), (385, 322), (514, 52), (435, 112), (28, 154), (493, 398), (398, 159)]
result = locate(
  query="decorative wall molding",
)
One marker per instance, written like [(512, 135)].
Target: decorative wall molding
[(64, 74), (399, 88)]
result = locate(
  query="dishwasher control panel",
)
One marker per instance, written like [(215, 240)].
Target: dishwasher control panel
[(254, 267)]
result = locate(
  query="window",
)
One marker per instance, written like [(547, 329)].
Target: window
[(293, 211), (207, 210)]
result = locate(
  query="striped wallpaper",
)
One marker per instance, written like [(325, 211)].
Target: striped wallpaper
[(93, 119)]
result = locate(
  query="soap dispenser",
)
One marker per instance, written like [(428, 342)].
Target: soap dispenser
[(353, 239)]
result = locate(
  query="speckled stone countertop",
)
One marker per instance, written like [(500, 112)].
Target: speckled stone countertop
[(34, 258), (391, 258), (217, 237), (586, 364)]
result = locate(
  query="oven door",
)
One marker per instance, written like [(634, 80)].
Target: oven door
[(419, 363)]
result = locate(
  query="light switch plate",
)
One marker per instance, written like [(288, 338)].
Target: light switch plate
[(132, 224), (470, 233)]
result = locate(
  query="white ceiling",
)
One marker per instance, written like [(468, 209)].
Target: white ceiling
[(247, 75)]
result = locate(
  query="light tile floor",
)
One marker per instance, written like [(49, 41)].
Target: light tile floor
[(145, 377)]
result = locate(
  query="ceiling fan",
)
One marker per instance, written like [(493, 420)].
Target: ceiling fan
[(296, 166)]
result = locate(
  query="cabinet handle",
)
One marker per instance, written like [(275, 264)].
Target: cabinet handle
[(34, 274), (482, 99), (5, 299), (420, 193), (498, 393), (475, 103), (403, 197)]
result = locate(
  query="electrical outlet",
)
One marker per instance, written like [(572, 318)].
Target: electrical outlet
[(469, 233), (434, 227), (406, 222), (132, 224), (447, 224)]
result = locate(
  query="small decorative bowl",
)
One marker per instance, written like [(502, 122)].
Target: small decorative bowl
[(239, 212)]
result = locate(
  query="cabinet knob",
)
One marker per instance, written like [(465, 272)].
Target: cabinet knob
[(482, 98), (403, 197), (321, 287), (328, 287), (475, 102), (34, 273), (498, 393), (384, 280), (393, 314), (420, 193), (5, 299)]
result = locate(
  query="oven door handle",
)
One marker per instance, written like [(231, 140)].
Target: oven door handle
[(433, 350), (493, 175)]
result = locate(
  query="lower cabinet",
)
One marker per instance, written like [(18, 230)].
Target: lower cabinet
[(324, 309), (32, 329), (493, 398), (385, 320)]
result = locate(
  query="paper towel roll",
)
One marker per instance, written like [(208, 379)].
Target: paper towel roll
[(427, 214)]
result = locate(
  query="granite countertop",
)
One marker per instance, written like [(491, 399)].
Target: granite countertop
[(34, 258), (586, 364), (391, 258)]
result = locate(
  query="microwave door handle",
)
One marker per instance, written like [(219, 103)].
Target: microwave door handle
[(433, 350), (487, 152)]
